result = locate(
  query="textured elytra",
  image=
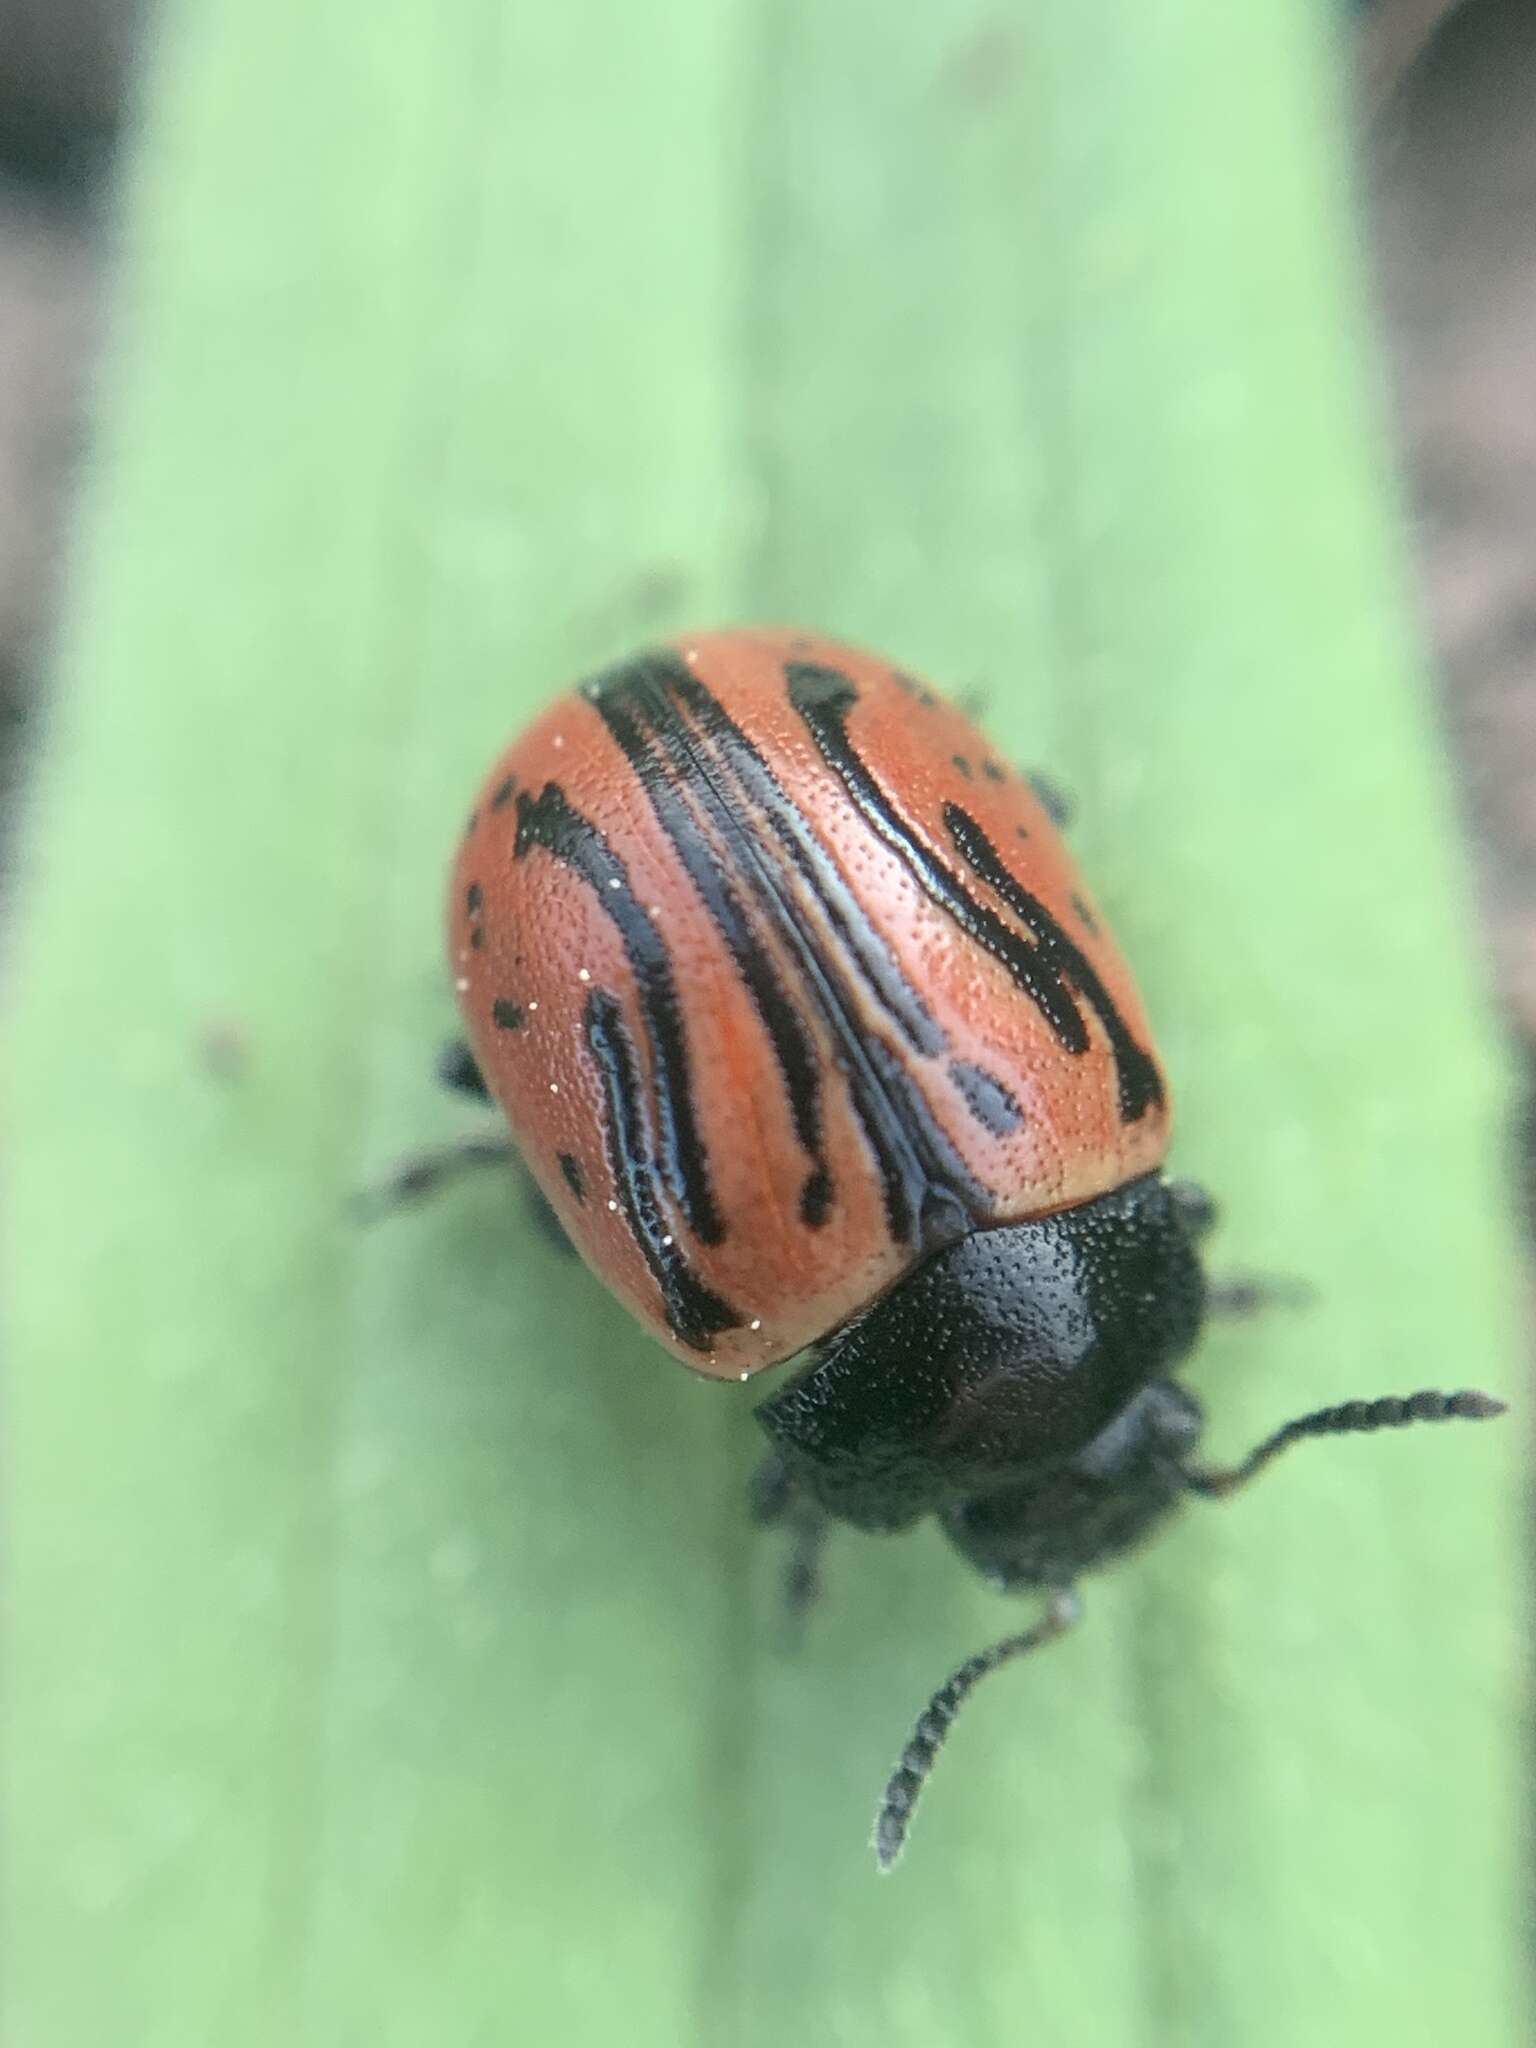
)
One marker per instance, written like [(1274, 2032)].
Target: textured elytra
[(804, 999)]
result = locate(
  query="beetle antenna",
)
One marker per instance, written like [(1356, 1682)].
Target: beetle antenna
[(1391, 1412), (937, 1718)]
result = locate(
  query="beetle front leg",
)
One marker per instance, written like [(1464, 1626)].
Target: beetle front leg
[(775, 1501)]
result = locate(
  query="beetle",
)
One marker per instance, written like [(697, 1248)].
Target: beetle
[(818, 1048)]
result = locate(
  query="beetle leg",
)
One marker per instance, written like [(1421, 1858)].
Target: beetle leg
[(545, 1215), (458, 1069), (775, 1501), (1238, 1296), (1194, 1205), (769, 1491), (1058, 806), (802, 1568), (423, 1173)]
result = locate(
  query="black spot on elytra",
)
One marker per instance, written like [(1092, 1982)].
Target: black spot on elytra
[(992, 772), (570, 1166), (477, 936), (962, 764), (470, 823), (474, 898), (1085, 916), (503, 793), (1022, 831), (816, 1198), (507, 1016)]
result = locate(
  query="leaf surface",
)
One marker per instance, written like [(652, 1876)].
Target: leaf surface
[(392, 1660)]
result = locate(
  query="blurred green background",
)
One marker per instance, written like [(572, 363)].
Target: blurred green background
[(390, 1658)]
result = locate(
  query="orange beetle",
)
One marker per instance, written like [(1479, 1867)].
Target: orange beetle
[(739, 956), (809, 1032)]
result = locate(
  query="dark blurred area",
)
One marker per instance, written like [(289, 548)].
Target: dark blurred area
[(1454, 223), (1449, 149), (64, 70)]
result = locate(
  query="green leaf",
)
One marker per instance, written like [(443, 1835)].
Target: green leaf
[(392, 1661)]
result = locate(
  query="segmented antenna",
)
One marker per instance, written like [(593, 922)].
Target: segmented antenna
[(937, 1718), (1392, 1411)]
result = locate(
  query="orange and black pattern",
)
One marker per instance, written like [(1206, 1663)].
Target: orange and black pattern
[(784, 982)]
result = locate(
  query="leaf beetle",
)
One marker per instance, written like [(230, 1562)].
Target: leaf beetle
[(818, 1048)]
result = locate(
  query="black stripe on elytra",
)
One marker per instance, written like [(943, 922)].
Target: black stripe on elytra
[(1046, 967), (712, 748), (928, 1191), (922, 1173), (876, 963), (671, 688), (648, 733), (694, 1312), (993, 1107), (549, 821), (570, 1166), (1140, 1084)]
